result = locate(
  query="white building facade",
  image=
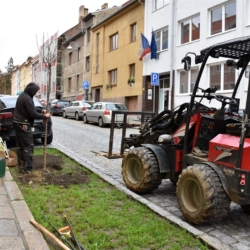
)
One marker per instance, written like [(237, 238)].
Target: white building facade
[(182, 26)]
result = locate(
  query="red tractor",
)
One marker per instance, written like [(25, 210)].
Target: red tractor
[(208, 159)]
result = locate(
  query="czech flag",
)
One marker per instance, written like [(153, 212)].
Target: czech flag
[(145, 47)]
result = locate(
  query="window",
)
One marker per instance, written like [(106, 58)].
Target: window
[(132, 71), (87, 63), (159, 4), (78, 54), (113, 76), (161, 37), (70, 58), (77, 82), (69, 84), (114, 42), (223, 18), (164, 83), (222, 77), (133, 32), (97, 52), (88, 35), (187, 80), (190, 30)]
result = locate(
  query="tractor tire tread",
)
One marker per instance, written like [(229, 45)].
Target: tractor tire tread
[(151, 178), (216, 202)]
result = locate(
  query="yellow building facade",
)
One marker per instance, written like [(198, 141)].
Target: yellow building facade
[(116, 68), (25, 74)]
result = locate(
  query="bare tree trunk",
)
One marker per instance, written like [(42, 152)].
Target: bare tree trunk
[(46, 125)]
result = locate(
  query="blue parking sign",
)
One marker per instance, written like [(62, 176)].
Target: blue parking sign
[(85, 85), (155, 79)]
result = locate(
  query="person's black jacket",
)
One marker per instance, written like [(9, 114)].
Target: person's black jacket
[(25, 110)]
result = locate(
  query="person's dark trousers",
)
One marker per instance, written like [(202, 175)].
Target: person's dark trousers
[(25, 146)]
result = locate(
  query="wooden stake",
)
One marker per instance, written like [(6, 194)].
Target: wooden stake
[(52, 236)]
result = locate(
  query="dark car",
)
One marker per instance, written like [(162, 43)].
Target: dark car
[(7, 132), (57, 106)]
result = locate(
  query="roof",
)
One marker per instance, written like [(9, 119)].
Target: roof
[(234, 48)]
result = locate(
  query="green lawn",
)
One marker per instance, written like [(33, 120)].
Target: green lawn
[(102, 217)]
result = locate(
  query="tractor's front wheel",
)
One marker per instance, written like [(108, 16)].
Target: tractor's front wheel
[(140, 170), (200, 195)]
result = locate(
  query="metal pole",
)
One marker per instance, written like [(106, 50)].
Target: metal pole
[(154, 101)]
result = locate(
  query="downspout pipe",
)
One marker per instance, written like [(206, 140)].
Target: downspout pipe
[(172, 53)]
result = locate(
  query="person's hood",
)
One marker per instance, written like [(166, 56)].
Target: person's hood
[(31, 89)]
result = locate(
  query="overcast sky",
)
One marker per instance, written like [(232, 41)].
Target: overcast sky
[(22, 21)]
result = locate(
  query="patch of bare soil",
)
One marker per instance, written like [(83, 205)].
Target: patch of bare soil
[(53, 174)]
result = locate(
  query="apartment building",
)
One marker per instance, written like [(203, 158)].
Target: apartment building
[(191, 26), (116, 69), (77, 54), (15, 80)]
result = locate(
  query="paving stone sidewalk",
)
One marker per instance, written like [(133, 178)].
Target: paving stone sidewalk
[(16, 231)]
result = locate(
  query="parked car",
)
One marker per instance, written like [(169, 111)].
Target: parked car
[(57, 106), (7, 132), (101, 113), (75, 110)]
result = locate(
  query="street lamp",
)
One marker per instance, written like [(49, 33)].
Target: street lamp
[(70, 48)]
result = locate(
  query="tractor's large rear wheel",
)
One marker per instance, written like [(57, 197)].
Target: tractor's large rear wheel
[(140, 170), (200, 195)]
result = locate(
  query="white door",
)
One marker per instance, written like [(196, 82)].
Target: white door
[(164, 94)]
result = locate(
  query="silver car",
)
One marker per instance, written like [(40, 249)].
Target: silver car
[(75, 109), (101, 113)]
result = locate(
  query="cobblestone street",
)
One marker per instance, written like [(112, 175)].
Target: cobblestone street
[(81, 140)]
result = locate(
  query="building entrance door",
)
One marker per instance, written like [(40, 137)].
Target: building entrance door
[(164, 94)]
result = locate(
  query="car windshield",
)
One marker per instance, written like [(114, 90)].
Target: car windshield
[(116, 106), (63, 103), (86, 104)]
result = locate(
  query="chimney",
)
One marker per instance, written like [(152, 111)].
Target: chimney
[(82, 12), (105, 6)]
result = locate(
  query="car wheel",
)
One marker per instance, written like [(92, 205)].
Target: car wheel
[(77, 116), (51, 112), (64, 114), (49, 139), (85, 120), (100, 122)]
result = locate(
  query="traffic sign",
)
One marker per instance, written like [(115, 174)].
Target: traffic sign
[(155, 79), (85, 85)]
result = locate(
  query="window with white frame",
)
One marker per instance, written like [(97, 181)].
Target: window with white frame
[(114, 42), (112, 74), (133, 32), (222, 77), (159, 4), (161, 38), (187, 80), (223, 18), (190, 29), (248, 12)]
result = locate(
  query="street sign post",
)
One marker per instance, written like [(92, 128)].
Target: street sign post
[(155, 79), (154, 82), (85, 85)]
